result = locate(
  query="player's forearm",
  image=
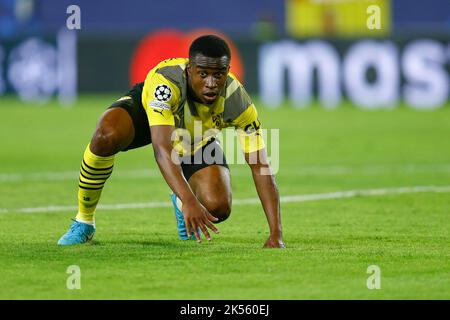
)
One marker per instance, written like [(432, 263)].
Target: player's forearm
[(173, 175), (270, 199)]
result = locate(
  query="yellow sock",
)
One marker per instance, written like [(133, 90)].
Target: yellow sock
[(93, 174)]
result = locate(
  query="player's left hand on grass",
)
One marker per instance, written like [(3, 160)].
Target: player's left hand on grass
[(274, 242)]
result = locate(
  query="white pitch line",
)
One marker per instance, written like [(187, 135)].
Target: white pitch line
[(250, 201), (325, 170), (71, 175)]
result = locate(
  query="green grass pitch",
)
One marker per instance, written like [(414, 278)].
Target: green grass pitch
[(330, 242)]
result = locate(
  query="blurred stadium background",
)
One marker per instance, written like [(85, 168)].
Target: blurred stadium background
[(358, 108), (300, 50)]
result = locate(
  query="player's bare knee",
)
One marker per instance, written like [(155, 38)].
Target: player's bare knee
[(104, 142), (219, 209)]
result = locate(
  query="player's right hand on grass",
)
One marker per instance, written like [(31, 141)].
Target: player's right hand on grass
[(196, 216)]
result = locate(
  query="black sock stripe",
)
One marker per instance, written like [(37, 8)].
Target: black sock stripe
[(90, 188), (107, 174), (87, 169), (97, 169), (104, 179), (91, 183)]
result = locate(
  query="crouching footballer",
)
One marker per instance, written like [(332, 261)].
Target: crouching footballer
[(175, 97)]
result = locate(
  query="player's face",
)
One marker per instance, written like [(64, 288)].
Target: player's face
[(207, 77)]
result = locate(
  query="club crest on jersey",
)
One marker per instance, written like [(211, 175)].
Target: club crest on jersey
[(217, 120), (163, 93)]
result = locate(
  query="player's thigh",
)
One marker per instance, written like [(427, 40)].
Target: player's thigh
[(113, 133), (212, 186)]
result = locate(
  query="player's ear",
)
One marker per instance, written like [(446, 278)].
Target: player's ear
[(188, 69)]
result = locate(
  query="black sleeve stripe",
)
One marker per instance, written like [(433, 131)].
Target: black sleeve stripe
[(174, 74), (236, 104)]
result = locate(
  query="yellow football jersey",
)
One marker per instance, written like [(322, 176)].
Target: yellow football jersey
[(166, 102)]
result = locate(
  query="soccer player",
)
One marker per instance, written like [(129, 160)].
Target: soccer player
[(179, 97)]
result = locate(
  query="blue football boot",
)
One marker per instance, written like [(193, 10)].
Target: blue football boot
[(181, 225), (78, 233)]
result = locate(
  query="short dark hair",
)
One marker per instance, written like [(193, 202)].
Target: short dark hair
[(210, 46)]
